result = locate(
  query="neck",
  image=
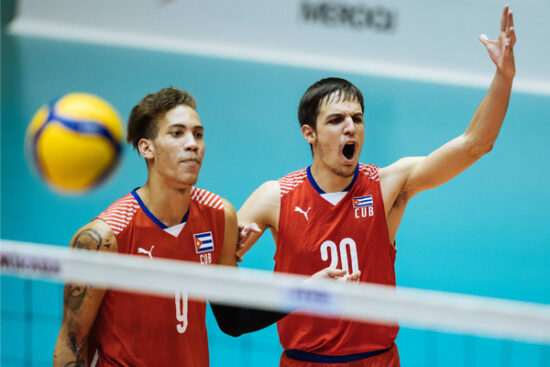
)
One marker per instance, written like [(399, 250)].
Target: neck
[(328, 180), (168, 204)]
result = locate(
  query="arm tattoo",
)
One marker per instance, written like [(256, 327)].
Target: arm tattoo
[(74, 294), (107, 243), (74, 345), (88, 239)]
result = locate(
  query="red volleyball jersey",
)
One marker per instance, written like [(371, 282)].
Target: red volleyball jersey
[(134, 329), (352, 235)]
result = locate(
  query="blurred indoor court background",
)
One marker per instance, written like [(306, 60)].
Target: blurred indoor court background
[(422, 71)]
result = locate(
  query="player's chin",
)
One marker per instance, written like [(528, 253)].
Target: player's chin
[(348, 163), (188, 178), (345, 170)]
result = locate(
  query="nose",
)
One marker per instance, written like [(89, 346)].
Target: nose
[(349, 126), (190, 143)]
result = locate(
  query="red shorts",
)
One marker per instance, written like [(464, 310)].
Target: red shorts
[(389, 358)]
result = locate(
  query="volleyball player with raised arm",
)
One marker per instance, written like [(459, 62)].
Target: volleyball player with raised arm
[(345, 214), (167, 217)]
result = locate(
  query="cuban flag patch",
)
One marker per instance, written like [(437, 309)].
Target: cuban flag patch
[(204, 242), (362, 201)]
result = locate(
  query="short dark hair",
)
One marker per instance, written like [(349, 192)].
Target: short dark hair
[(316, 94), (143, 120)]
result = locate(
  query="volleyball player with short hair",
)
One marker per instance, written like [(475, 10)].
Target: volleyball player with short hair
[(345, 214), (167, 217)]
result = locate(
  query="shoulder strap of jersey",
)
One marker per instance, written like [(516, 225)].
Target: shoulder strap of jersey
[(205, 197), (120, 213), (292, 180)]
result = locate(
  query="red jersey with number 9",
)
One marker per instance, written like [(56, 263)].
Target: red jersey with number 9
[(134, 329), (352, 235)]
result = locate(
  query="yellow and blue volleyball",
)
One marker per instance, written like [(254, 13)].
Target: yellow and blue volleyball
[(75, 142)]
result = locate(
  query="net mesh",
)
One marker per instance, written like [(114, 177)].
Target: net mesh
[(31, 311)]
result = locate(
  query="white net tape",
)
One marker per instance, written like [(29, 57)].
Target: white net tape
[(262, 289)]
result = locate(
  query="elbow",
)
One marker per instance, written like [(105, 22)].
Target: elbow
[(230, 330), (228, 319), (478, 149), (234, 334), (481, 149)]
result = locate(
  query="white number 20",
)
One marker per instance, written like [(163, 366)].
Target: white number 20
[(181, 311), (347, 245)]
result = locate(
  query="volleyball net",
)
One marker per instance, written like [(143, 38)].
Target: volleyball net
[(424, 309)]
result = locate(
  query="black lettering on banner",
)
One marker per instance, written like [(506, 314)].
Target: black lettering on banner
[(359, 16), (18, 262)]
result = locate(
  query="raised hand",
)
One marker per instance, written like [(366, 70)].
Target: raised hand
[(502, 50)]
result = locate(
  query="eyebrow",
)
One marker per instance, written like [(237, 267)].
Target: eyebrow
[(197, 127), (335, 114)]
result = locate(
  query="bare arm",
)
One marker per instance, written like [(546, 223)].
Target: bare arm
[(227, 255), (410, 176), (81, 302), (262, 208)]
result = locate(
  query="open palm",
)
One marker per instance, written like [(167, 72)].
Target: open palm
[(502, 50)]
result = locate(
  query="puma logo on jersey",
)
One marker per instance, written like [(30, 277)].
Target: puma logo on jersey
[(144, 251), (299, 210)]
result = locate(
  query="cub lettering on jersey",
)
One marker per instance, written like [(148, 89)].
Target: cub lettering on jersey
[(342, 253), (206, 259), (363, 206)]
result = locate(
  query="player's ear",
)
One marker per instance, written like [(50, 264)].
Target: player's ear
[(309, 134), (145, 148)]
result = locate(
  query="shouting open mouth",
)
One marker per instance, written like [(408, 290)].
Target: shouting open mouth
[(349, 150)]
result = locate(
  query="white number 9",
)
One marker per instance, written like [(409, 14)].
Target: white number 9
[(181, 311)]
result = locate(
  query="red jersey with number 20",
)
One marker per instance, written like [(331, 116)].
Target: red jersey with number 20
[(351, 235), (134, 329)]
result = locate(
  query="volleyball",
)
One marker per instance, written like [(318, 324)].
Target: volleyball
[(75, 142)]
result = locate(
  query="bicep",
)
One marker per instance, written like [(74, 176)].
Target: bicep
[(440, 166), (262, 208)]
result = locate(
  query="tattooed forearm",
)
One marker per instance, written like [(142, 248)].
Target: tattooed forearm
[(74, 344), (73, 296), (88, 239)]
